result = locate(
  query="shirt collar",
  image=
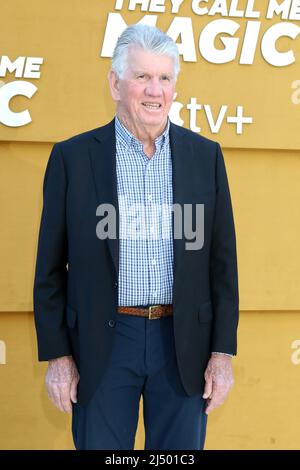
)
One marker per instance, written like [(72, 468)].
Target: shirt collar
[(128, 139)]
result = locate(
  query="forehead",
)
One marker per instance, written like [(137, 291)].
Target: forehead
[(140, 60)]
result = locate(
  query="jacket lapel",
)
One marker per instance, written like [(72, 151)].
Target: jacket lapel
[(183, 172), (103, 160)]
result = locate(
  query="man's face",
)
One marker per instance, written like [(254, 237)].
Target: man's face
[(145, 94)]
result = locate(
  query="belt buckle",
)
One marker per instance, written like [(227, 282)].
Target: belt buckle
[(152, 315)]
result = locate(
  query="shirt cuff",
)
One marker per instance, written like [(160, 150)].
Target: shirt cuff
[(222, 353)]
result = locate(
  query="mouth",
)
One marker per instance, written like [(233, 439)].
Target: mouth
[(152, 106)]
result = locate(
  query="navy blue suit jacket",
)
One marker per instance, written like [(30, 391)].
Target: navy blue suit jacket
[(76, 277)]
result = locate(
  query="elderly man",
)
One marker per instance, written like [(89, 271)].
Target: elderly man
[(138, 310)]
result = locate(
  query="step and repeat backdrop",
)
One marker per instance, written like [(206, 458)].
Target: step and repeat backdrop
[(240, 86)]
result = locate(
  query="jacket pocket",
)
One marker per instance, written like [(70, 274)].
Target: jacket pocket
[(205, 313), (71, 316)]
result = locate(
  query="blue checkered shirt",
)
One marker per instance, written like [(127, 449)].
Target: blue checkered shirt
[(144, 184)]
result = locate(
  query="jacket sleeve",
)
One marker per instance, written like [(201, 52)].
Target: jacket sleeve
[(223, 266), (50, 282)]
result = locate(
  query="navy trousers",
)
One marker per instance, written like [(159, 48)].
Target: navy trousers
[(143, 362)]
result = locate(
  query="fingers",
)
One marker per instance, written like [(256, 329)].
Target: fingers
[(54, 395), (217, 398), (218, 381), (208, 386), (211, 405), (66, 398), (73, 390), (61, 380), (59, 394)]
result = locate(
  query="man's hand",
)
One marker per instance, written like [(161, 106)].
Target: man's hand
[(61, 380), (218, 380)]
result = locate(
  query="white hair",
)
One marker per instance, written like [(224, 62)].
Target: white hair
[(148, 38)]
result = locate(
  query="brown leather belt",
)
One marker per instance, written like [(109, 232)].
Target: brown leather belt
[(152, 312)]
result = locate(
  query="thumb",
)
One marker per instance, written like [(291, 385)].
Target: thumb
[(73, 391), (208, 387)]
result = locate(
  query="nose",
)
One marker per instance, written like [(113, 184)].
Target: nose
[(153, 88)]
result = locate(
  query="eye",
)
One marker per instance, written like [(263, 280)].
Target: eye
[(165, 78)]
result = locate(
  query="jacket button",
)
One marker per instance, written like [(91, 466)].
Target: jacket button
[(112, 323), (116, 284)]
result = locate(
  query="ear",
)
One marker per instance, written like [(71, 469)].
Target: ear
[(114, 85)]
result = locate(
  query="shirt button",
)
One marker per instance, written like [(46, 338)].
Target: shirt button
[(112, 323), (154, 261), (150, 197)]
